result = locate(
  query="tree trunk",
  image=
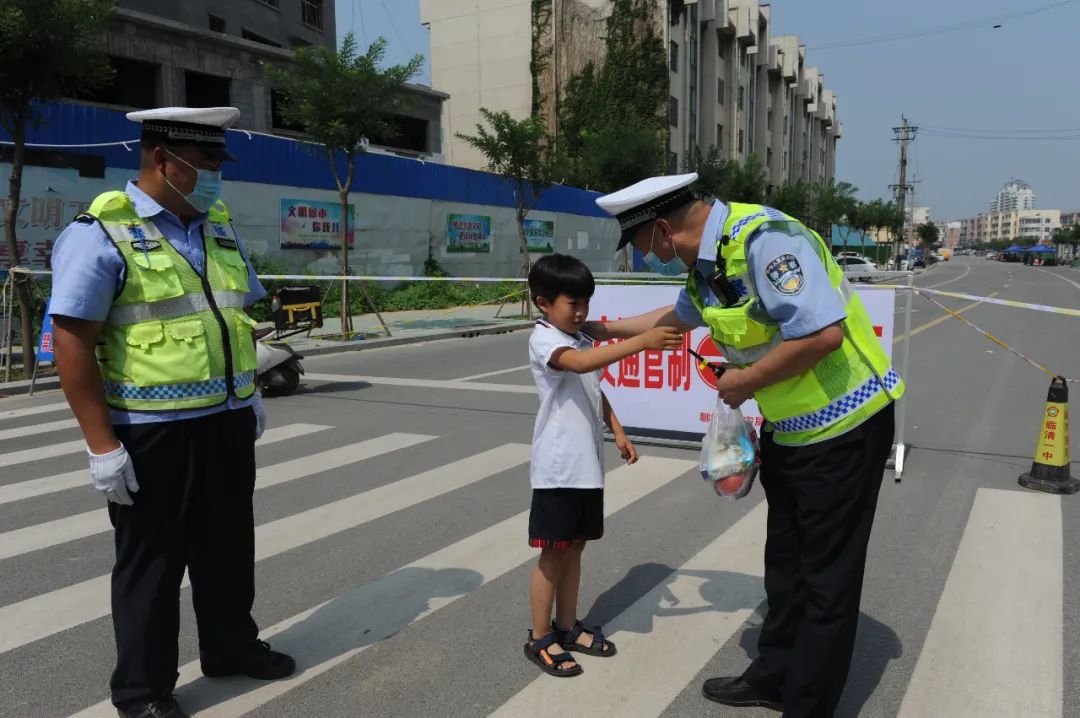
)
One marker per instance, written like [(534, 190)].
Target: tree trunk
[(526, 266), (346, 312), (22, 281)]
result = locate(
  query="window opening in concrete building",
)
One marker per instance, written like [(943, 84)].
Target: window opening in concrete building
[(674, 60), (740, 97), (134, 84), (206, 90), (277, 100), (256, 37), (217, 24), (411, 134), (720, 90), (719, 137), (740, 141), (673, 162), (673, 111), (311, 12)]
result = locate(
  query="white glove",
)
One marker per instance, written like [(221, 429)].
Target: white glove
[(260, 415), (114, 475)]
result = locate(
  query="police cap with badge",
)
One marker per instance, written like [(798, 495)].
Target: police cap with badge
[(649, 199), (203, 127)]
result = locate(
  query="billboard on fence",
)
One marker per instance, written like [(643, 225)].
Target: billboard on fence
[(312, 224), (667, 391), (468, 233), (540, 235)]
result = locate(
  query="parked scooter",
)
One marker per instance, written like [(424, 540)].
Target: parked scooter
[(279, 369)]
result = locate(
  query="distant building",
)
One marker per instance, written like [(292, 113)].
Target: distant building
[(1031, 225), (950, 234), (1070, 218), (1015, 195), (732, 83)]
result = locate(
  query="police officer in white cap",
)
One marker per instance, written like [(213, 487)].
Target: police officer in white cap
[(157, 360), (798, 341)]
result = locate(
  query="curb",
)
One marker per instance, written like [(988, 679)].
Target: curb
[(17, 388), (363, 344)]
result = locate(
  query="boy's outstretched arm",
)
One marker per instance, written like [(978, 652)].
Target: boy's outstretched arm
[(583, 361), (632, 326), (626, 448)]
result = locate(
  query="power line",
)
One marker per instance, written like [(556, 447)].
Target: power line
[(983, 22)]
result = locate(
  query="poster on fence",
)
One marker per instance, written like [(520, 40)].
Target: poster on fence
[(667, 391), (540, 235), (468, 233), (312, 224)]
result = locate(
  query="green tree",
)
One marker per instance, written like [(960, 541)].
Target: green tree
[(344, 99), (612, 122), (832, 203), (520, 152), (794, 198), (928, 235), (47, 51)]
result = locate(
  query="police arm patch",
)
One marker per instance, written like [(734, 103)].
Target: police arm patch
[(785, 274)]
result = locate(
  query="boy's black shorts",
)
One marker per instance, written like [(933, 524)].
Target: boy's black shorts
[(560, 516)]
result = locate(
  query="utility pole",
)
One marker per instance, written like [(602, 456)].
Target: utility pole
[(903, 134)]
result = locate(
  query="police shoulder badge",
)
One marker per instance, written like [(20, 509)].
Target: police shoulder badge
[(785, 274)]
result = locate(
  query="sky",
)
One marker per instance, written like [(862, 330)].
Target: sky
[(1021, 77)]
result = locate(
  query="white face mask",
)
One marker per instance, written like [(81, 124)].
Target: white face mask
[(672, 268), (207, 189)]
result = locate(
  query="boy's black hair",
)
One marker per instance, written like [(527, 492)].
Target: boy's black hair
[(556, 274)]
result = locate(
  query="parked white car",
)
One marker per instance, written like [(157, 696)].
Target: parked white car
[(857, 269)]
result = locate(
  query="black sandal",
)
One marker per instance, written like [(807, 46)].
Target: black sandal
[(536, 650), (568, 640)]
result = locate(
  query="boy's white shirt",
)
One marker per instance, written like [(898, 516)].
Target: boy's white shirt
[(568, 438)]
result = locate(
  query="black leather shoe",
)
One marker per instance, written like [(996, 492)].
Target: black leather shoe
[(164, 708), (734, 691), (257, 661)]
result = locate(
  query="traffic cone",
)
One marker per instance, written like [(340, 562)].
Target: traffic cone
[(1050, 469)]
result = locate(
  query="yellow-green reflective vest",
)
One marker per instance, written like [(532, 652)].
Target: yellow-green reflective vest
[(173, 339), (837, 394)]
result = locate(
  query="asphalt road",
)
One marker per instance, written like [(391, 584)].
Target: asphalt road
[(392, 559)]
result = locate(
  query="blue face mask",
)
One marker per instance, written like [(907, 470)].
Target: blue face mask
[(672, 268), (207, 189)]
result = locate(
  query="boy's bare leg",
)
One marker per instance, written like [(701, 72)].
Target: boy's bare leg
[(567, 593), (547, 576)]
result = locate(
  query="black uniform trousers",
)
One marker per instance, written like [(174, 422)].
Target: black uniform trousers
[(193, 510), (821, 500)]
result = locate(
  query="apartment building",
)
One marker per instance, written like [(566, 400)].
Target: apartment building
[(732, 84), (1036, 225), (1016, 194)]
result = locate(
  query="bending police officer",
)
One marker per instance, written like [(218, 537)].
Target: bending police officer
[(800, 343)]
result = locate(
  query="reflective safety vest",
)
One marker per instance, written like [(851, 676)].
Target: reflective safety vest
[(174, 339), (837, 394)]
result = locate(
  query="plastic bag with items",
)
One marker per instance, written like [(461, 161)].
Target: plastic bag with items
[(729, 457)]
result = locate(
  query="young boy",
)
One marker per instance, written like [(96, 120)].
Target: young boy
[(567, 471)]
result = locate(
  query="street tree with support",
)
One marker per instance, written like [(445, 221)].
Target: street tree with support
[(343, 100), (521, 152), (48, 50)]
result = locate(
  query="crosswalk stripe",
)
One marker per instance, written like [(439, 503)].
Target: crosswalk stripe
[(71, 528), (685, 619), (331, 633), (73, 447), (994, 647), (81, 477), (20, 431), (25, 456), (425, 383), (322, 521), (35, 618), (33, 410)]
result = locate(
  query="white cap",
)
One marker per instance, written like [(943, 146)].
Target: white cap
[(197, 125), (643, 202)]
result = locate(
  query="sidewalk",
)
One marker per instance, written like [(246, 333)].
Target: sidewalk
[(408, 327)]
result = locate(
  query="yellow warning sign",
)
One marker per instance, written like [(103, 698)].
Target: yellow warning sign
[(1053, 446)]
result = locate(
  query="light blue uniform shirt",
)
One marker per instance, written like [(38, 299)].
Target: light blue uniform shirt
[(799, 308), (88, 273)]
